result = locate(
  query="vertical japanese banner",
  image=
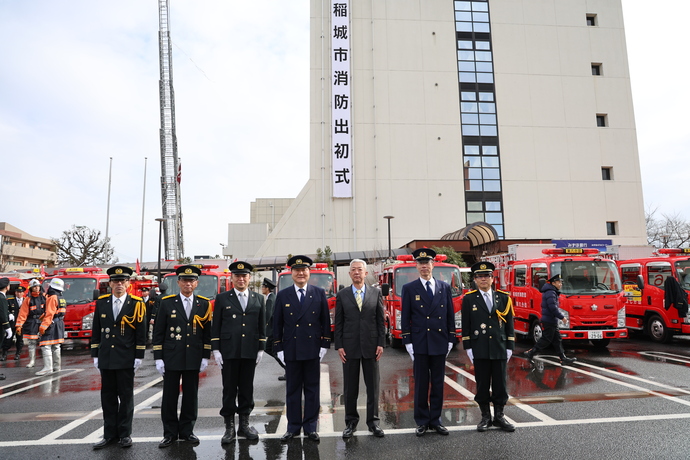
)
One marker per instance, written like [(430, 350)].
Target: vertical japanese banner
[(341, 122)]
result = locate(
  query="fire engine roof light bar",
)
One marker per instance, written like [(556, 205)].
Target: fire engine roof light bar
[(570, 251), (674, 251)]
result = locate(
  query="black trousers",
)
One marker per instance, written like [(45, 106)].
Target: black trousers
[(19, 341), (238, 387), (117, 401), (428, 371), (370, 369), (303, 376), (182, 426), (550, 336), (490, 374)]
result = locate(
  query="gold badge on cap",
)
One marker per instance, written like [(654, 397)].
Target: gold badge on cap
[(422, 254), (187, 271), (482, 267), (118, 271), (298, 261), (240, 266)]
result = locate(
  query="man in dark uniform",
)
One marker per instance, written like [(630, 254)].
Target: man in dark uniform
[(360, 334), (14, 302), (238, 342), (149, 301), (302, 336), (489, 339), (267, 288), (5, 330), (118, 343), (181, 348), (428, 332), (550, 314)]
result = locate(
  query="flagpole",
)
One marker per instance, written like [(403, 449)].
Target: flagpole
[(107, 213), (143, 208)]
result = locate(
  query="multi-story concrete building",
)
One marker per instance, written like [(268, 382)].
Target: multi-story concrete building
[(20, 250), (513, 118)]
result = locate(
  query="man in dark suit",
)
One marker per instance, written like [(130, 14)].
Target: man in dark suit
[(14, 302), (238, 342), (428, 332), (118, 343), (360, 335), (5, 330), (302, 336), (267, 288), (181, 348), (489, 339)]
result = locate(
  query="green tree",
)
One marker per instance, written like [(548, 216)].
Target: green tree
[(454, 257), (81, 245), (325, 256)]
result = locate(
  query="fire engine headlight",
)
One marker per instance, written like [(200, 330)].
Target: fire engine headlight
[(398, 316), (565, 322), (458, 320), (621, 317), (87, 322)]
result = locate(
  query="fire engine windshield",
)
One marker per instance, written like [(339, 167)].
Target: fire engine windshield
[(450, 275), (208, 286), (322, 280), (683, 273), (587, 277), (79, 290)]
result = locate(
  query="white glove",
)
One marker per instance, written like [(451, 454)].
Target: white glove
[(218, 357), (259, 355), (281, 357), (11, 317), (160, 366), (95, 363), (137, 363), (450, 347), (509, 353), (8, 333), (322, 353), (470, 354), (410, 350), (204, 365)]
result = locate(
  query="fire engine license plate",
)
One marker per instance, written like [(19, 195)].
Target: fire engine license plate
[(594, 335)]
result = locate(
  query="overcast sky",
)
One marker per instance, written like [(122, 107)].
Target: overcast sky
[(79, 85)]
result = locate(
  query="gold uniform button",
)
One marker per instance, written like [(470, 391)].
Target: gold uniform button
[(439, 330), (309, 324), (242, 324), (427, 317), (298, 325), (112, 346), (242, 335), (428, 330)]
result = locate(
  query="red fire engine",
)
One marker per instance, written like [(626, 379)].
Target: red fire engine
[(211, 281), (404, 270), (644, 279), (592, 299), (321, 276)]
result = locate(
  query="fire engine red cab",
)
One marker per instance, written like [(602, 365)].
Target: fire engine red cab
[(644, 280), (592, 300), (211, 281), (395, 275), (321, 276)]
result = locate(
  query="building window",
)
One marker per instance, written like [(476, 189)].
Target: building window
[(591, 20), (606, 173), (611, 228), (601, 120), (596, 69)]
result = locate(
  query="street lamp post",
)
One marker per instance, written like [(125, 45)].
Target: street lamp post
[(389, 234), (160, 221)]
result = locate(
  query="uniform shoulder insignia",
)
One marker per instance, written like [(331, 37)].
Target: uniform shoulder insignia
[(202, 297), (10, 297), (504, 292), (104, 296), (136, 297), (169, 296), (471, 292)]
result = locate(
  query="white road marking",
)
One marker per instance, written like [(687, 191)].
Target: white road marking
[(666, 356), (41, 381), (326, 414)]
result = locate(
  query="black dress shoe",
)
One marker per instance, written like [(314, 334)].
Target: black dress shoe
[(440, 429), (104, 443), (566, 360), (421, 429), (288, 436), (166, 442), (192, 439), (349, 430), (281, 377), (126, 442), (16, 357), (378, 432), (314, 436)]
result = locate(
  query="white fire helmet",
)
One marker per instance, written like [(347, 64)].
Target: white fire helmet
[(33, 283), (57, 283)]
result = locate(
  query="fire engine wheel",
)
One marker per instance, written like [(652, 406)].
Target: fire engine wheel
[(535, 330), (601, 343), (657, 330)]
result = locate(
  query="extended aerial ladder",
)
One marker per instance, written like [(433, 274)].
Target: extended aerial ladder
[(170, 167)]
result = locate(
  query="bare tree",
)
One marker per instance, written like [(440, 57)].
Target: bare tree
[(668, 231), (81, 245)]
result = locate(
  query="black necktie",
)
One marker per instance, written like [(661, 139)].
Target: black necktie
[(301, 297), (429, 291)]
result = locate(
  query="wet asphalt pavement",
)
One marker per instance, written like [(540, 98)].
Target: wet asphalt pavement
[(631, 400)]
